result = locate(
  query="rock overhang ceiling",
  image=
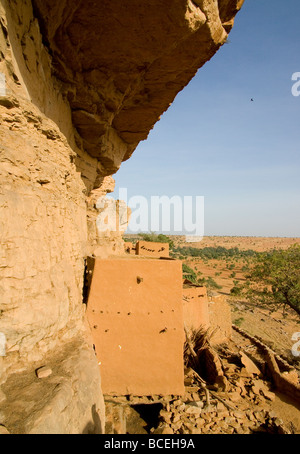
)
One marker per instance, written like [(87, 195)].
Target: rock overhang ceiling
[(123, 63)]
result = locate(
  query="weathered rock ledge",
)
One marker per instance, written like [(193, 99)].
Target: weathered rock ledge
[(122, 64)]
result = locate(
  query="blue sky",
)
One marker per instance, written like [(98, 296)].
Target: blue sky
[(242, 156)]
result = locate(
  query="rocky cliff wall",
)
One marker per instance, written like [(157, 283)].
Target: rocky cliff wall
[(44, 236), (82, 83)]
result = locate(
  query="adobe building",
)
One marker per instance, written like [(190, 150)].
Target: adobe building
[(195, 306), (147, 249), (201, 310), (219, 318), (137, 308), (135, 312), (152, 249)]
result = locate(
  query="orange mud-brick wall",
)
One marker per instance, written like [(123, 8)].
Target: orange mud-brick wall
[(135, 312), (195, 307), (151, 249), (219, 318)]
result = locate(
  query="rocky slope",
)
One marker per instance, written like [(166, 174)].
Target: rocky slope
[(82, 82)]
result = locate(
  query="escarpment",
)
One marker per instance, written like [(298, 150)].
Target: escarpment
[(82, 83)]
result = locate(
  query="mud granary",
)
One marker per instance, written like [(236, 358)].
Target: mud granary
[(82, 83)]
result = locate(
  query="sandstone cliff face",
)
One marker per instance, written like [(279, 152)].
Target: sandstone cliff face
[(84, 82)]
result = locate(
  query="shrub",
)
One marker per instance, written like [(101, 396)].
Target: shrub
[(236, 291), (238, 321)]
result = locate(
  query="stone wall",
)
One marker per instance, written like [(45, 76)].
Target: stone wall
[(219, 318)]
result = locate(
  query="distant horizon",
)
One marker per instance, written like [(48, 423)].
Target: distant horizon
[(212, 236)]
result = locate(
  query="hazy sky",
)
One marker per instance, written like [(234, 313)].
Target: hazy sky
[(242, 156)]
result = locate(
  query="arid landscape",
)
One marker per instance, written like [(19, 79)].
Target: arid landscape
[(258, 243), (273, 327)]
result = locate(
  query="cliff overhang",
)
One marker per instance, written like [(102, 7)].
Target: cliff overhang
[(123, 63)]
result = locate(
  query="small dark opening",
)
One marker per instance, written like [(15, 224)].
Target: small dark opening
[(149, 413)]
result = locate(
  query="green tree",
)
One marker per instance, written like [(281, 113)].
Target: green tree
[(236, 290), (189, 273), (275, 278), (211, 284)]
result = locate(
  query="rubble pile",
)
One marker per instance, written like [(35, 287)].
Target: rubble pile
[(228, 390), (241, 405)]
